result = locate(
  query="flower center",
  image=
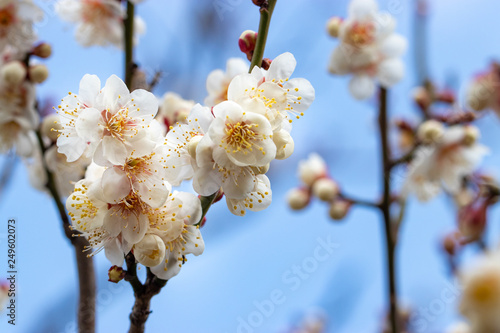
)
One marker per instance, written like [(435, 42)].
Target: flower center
[(7, 16), (95, 11), (239, 136), (361, 34)]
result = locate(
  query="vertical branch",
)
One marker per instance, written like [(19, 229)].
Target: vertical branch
[(85, 265), (129, 43), (385, 208), (266, 12), (420, 37)]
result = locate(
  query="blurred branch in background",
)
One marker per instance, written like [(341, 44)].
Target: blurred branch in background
[(8, 167), (420, 41)]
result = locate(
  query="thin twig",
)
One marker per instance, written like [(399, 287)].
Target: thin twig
[(129, 44), (385, 207), (85, 264), (266, 12)]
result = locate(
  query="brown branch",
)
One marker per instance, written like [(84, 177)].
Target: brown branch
[(143, 294), (385, 207), (85, 264)]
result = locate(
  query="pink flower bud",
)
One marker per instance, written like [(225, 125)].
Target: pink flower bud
[(247, 41), (472, 219), (42, 50)]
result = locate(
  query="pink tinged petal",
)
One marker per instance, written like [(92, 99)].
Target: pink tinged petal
[(152, 191), (169, 269), (200, 118), (240, 86), (301, 88), (362, 87), (339, 61), (194, 242), (207, 181), (88, 125), (191, 207), (72, 146), (282, 67), (90, 87), (214, 81), (390, 72), (115, 184), (115, 94), (144, 105), (113, 150), (114, 252), (235, 66), (136, 228)]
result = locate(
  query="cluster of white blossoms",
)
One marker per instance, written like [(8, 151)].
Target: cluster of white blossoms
[(16, 24), (98, 22), (445, 157), (313, 174), (480, 302), (369, 49), (18, 76), (229, 146), (124, 204)]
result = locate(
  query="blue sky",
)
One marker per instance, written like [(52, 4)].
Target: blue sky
[(249, 261)]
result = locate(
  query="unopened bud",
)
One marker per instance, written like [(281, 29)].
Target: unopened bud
[(339, 209), (259, 3), (13, 72), (50, 126), (266, 63), (450, 243), (247, 41), (422, 97), (43, 50), (38, 73), (333, 26), (325, 189), (471, 135), (116, 274), (480, 93), (193, 144), (298, 198), (430, 131)]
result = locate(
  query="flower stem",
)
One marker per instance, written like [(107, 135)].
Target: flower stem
[(385, 206), (266, 11), (129, 43), (85, 264)]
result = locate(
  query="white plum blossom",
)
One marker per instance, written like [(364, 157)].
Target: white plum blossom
[(445, 163), (272, 92), (369, 49), (480, 301), (175, 224), (218, 81), (484, 91), (256, 201), (460, 327), (182, 141), (115, 227), (18, 118), (244, 137), (173, 109), (65, 173), (99, 22), (110, 123), (16, 24)]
